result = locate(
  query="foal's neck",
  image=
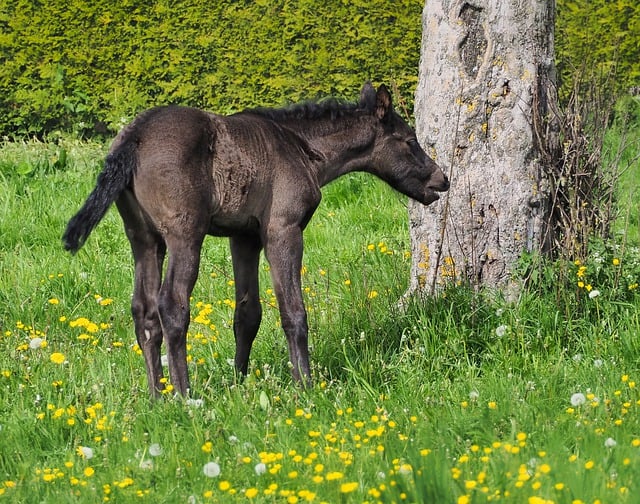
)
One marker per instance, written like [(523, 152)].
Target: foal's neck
[(344, 144)]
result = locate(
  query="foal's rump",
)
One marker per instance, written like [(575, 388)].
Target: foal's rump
[(162, 156)]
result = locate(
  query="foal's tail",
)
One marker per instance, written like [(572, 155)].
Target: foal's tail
[(114, 178)]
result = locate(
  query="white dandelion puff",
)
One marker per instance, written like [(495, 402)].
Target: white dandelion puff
[(578, 399), (211, 470), (35, 343), (260, 468), (594, 294), (155, 450), (610, 443), (86, 452)]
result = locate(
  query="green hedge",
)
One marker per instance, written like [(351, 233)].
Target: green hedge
[(75, 64), (598, 40), (71, 63)]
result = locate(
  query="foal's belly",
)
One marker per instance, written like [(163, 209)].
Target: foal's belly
[(221, 225)]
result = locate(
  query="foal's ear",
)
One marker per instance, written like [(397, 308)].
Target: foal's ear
[(368, 97), (383, 103)]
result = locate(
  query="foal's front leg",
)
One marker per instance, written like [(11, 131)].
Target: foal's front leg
[(283, 248)]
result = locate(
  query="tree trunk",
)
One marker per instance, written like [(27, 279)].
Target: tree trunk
[(485, 92)]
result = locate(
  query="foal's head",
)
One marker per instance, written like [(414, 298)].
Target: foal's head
[(397, 157)]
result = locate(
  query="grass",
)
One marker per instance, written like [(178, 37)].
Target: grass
[(463, 398)]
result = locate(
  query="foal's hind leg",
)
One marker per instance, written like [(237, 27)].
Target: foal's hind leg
[(144, 307), (245, 254), (173, 304), (148, 252)]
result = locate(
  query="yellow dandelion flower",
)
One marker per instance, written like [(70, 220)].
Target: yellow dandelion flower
[(57, 358), (348, 487)]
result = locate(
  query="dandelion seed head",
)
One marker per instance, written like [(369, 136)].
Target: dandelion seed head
[(211, 470), (85, 451), (578, 399), (501, 330), (195, 403), (146, 464), (35, 343), (260, 468), (155, 450), (594, 293), (610, 443)]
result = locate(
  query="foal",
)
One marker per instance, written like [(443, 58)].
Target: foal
[(177, 174)]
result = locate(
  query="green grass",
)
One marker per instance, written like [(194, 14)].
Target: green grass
[(464, 398)]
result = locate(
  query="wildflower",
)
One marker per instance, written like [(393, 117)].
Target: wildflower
[(334, 475), (195, 403), (492, 405), (57, 358), (348, 487), (589, 464), (85, 452), (54, 301), (155, 450), (616, 261), (211, 470), (250, 493), (89, 471), (36, 343), (578, 399)]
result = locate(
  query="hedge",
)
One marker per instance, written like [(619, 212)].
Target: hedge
[(87, 66), (76, 63)]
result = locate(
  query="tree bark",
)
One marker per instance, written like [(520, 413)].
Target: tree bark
[(484, 103)]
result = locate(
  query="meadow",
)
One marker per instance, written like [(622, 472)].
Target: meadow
[(464, 398)]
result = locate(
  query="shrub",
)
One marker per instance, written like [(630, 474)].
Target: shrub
[(84, 66)]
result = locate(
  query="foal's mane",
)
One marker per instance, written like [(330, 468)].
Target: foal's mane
[(328, 108)]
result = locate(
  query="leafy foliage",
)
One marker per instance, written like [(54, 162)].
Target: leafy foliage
[(599, 39), (78, 64)]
